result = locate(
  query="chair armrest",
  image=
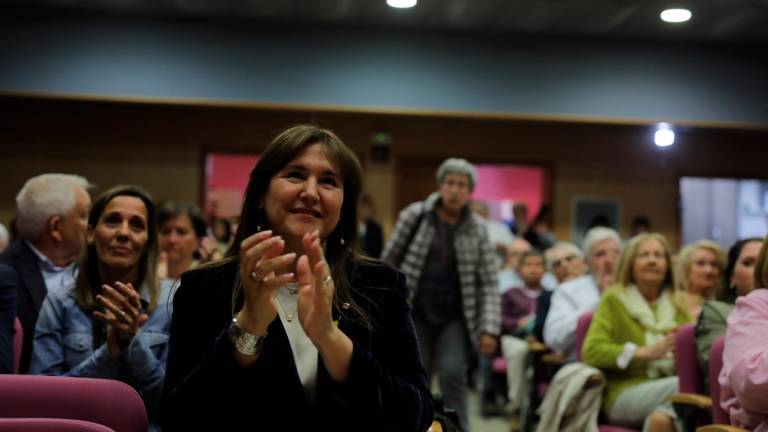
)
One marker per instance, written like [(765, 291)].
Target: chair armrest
[(719, 428), (536, 346), (435, 427), (693, 399), (552, 358)]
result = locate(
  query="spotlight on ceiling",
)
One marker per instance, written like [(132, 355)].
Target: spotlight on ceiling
[(402, 4), (675, 15), (664, 136)]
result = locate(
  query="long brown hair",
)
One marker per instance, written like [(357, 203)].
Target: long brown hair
[(89, 277), (279, 153)]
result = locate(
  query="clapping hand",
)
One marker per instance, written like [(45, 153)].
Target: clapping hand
[(122, 314)]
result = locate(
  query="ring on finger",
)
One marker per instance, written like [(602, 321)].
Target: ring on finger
[(122, 312), (328, 279)]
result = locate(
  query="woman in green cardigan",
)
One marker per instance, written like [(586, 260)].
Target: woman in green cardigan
[(632, 335)]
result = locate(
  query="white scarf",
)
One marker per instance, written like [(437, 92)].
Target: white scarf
[(656, 325)]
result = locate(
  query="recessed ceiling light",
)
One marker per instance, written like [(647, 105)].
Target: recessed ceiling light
[(664, 135), (402, 4), (675, 15)]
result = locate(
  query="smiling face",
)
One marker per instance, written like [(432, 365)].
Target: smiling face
[(650, 264), (121, 233), (304, 196)]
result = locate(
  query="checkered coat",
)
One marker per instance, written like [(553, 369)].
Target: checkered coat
[(475, 256)]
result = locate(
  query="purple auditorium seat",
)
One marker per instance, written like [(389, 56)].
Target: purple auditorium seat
[(50, 425), (582, 325), (690, 375), (106, 402), (719, 416)]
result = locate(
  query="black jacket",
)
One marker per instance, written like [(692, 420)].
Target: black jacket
[(386, 389), (30, 292)]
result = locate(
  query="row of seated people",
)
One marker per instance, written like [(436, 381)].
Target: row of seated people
[(94, 344), (342, 351), (638, 311)]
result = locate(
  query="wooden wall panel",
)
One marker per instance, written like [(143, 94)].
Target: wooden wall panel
[(161, 146)]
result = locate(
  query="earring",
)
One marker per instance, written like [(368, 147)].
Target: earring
[(342, 241)]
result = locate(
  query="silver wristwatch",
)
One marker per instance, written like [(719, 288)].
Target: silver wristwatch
[(244, 342)]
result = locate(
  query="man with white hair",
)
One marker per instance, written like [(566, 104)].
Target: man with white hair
[(575, 297), (52, 218)]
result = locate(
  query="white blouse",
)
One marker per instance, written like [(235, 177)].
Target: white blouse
[(304, 351)]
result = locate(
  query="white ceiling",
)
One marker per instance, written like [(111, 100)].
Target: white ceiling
[(720, 21)]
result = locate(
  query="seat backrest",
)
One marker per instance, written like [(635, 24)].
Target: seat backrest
[(690, 375), (18, 341), (107, 402), (719, 416), (582, 325), (50, 425)]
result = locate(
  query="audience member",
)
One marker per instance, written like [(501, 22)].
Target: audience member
[(498, 233), (632, 336), (699, 273), (508, 276), (744, 376), (183, 240), (8, 283), (566, 261), (52, 217), (294, 328), (113, 321), (518, 316), (370, 233), (222, 232), (519, 219), (640, 224), (539, 234), (738, 281), (4, 238), (573, 298), (450, 268)]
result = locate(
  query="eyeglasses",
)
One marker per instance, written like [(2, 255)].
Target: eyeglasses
[(563, 261)]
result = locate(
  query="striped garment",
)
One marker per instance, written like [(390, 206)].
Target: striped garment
[(475, 256)]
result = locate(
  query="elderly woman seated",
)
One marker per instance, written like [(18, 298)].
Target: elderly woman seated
[(632, 335)]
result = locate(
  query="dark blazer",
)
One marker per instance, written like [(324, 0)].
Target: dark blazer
[(31, 292), (386, 389), (8, 283)]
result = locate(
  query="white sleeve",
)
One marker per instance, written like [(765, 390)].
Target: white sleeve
[(560, 324), (626, 356)]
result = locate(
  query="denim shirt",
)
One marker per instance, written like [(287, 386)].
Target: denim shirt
[(63, 345)]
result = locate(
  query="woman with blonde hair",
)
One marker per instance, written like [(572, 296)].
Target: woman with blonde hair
[(632, 335), (699, 272)]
